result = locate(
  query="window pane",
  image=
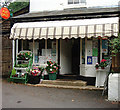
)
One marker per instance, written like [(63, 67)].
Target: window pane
[(41, 46), (70, 1), (76, 1), (82, 1), (83, 51)]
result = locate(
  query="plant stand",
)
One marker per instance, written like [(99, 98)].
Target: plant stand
[(52, 76), (100, 77), (19, 79), (21, 70)]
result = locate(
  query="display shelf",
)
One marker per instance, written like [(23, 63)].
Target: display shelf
[(21, 66)]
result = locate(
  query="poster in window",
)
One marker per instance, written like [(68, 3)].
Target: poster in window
[(105, 47), (94, 60), (53, 52), (95, 52), (89, 59), (89, 47), (42, 59)]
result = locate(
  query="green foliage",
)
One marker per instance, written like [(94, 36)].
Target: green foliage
[(22, 65), (115, 45), (13, 71), (16, 6), (51, 67)]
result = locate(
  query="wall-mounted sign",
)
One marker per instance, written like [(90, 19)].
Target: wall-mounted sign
[(5, 13), (89, 59)]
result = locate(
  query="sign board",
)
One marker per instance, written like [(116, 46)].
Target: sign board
[(89, 59), (5, 13)]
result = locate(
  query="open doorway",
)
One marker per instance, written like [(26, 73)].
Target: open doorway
[(75, 56), (70, 56)]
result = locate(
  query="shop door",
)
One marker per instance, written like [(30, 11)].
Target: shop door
[(75, 56)]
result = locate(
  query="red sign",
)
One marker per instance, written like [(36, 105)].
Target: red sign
[(5, 13)]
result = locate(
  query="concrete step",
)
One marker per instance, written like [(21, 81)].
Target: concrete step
[(67, 87), (65, 82)]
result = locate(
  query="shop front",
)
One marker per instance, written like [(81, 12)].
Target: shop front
[(76, 45)]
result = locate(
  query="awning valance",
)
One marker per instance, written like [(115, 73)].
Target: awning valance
[(63, 29)]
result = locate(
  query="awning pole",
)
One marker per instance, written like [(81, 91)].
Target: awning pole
[(80, 51), (13, 52), (100, 49), (33, 51), (85, 50), (22, 46), (56, 50), (16, 47)]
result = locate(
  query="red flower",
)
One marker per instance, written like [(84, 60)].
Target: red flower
[(103, 60)]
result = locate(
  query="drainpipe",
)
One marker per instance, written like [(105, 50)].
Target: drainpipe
[(13, 52)]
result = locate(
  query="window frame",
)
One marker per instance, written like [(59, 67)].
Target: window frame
[(73, 2)]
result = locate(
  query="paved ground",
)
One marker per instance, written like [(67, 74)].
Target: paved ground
[(23, 96)]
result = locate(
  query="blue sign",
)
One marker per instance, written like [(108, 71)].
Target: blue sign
[(89, 59)]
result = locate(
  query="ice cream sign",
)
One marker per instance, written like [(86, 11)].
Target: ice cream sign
[(5, 13)]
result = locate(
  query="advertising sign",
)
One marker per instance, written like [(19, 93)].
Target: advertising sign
[(89, 59), (5, 13)]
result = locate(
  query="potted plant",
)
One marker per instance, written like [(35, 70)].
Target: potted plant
[(97, 65), (114, 45), (24, 55), (114, 76), (35, 74), (52, 69), (103, 63)]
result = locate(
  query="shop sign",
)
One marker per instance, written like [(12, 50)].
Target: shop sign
[(5, 13)]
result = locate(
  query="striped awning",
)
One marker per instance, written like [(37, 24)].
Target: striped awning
[(51, 30)]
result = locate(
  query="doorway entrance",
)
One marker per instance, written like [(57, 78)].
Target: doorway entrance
[(70, 56), (75, 56)]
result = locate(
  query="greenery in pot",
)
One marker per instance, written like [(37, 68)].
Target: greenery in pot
[(51, 67), (24, 55), (36, 71), (114, 44), (103, 63), (97, 65)]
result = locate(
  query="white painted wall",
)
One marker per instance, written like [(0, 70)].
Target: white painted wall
[(91, 3), (114, 87), (65, 56), (45, 5), (50, 5)]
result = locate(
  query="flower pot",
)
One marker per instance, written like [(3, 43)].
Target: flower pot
[(52, 76), (102, 67), (97, 67), (34, 79)]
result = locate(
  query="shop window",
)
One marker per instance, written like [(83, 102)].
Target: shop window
[(31, 45), (105, 49), (25, 45), (41, 47), (42, 54), (83, 51), (94, 51), (51, 50)]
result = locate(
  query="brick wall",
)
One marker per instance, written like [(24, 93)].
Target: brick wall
[(6, 44)]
